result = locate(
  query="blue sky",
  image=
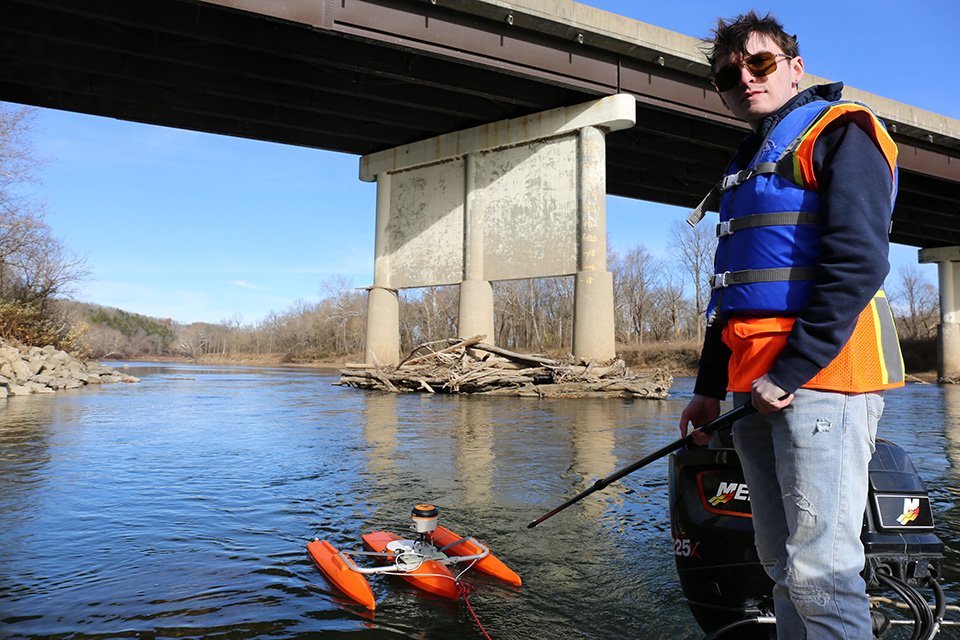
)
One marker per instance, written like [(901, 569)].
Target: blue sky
[(196, 227)]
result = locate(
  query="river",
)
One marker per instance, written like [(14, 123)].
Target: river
[(180, 507)]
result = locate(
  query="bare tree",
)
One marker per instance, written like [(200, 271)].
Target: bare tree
[(672, 308), (534, 314), (635, 277), (18, 164), (558, 316), (40, 269), (693, 248), (193, 339), (345, 308), (916, 304), (427, 314), (35, 266)]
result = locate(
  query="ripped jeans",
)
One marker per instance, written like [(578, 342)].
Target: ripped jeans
[(806, 468)]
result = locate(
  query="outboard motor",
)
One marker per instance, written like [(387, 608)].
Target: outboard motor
[(725, 586)]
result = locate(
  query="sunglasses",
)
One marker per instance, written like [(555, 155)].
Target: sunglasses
[(760, 65)]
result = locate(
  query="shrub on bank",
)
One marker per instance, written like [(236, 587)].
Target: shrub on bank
[(919, 354), (32, 325), (676, 358)]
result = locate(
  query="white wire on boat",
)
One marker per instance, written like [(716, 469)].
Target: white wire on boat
[(409, 567), (468, 567), (409, 561)]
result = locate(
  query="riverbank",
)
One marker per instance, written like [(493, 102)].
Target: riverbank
[(677, 359), (32, 370)]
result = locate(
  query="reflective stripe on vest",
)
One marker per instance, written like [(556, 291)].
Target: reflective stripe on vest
[(869, 361)]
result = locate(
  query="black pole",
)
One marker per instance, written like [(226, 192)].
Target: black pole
[(721, 422)]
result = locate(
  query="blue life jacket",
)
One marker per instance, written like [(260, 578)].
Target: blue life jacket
[(771, 220)]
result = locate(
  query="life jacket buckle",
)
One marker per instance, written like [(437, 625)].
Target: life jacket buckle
[(723, 229), (733, 179), (720, 280)]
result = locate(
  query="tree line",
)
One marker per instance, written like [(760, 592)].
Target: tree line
[(534, 316)]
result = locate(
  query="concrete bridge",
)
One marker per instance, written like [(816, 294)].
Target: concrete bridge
[(367, 76)]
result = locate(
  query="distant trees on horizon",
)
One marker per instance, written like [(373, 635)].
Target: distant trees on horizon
[(534, 316)]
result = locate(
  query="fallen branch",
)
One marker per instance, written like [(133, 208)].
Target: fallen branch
[(383, 378), (514, 355), (469, 342)]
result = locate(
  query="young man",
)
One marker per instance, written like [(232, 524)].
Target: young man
[(798, 323)]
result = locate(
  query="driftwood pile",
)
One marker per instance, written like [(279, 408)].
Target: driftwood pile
[(468, 366)]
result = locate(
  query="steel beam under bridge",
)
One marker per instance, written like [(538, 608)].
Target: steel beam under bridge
[(361, 76)]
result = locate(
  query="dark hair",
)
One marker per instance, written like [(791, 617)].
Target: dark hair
[(730, 36)]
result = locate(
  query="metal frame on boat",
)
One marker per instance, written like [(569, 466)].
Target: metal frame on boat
[(423, 562)]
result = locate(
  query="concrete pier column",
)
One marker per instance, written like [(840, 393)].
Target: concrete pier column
[(948, 331), (476, 294), (593, 327), (383, 305)]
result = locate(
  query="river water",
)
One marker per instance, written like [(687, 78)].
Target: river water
[(180, 507)]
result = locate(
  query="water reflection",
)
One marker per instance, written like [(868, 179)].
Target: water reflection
[(473, 455), (593, 439), (380, 431), (951, 425)]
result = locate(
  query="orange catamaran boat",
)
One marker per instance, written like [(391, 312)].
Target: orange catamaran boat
[(421, 562)]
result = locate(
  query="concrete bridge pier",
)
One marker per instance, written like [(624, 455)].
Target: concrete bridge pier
[(383, 305), (476, 293), (593, 326), (948, 331)]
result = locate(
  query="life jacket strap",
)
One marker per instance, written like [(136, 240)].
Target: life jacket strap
[(776, 218), (711, 202), (752, 276)]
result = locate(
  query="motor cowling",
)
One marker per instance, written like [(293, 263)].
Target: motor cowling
[(716, 559), (898, 523)]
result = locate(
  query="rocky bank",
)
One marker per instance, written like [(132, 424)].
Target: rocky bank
[(47, 370)]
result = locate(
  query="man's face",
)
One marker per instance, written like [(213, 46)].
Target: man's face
[(753, 99)]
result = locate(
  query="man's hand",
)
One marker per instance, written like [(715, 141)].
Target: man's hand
[(698, 412), (768, 396)]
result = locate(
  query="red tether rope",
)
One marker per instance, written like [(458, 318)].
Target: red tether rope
[(465, 589)]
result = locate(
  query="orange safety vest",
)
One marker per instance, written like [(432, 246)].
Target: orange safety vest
[(870, 361)]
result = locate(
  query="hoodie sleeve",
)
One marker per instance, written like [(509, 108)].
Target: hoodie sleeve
[(855, 188), (712, 375)]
